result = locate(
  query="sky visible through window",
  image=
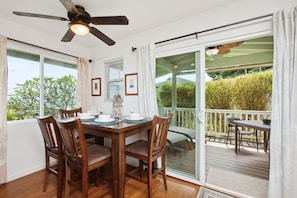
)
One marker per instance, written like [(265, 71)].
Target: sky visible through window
[(20, 70)]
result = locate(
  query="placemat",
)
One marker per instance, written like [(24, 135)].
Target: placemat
[(134, 121), (104, 123)]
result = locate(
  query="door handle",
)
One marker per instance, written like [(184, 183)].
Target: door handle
[(200, 116)]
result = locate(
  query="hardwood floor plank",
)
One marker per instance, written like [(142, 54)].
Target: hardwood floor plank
[(254, 164), (31, 186)]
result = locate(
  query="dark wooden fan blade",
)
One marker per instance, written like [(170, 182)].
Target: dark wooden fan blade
[(68, 36), (69, 5), (110, 20), (39, 16), (101, 36)]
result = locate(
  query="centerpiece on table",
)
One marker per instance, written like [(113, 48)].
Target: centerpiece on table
[(117, 107)]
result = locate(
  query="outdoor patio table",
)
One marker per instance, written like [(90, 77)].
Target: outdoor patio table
[(254, 124), (117, 132)]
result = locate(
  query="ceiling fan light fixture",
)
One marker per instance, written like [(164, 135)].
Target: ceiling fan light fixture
[(79, 27), (212, 51)]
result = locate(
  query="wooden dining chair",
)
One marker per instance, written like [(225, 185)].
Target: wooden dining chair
[(80, 158), (69, 113), (53, 149), (148, 151), (74, 113)]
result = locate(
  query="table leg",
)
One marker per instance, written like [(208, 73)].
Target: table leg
[(118, 164), (265, 141), (235, 143)]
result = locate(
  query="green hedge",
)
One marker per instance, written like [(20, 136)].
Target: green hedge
[(246, 92)]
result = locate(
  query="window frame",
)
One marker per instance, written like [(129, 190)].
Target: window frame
[(43, 54), (120, 80)]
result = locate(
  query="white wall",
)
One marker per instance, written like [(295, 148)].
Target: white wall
[(25, 148), (227, 14)]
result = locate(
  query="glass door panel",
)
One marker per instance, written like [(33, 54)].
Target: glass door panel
[(177, 91)]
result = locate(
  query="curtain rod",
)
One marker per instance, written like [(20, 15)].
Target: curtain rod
[(208, 30), (41, 47)]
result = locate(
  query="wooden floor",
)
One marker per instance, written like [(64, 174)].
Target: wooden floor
[(31, 187), (247, 161)]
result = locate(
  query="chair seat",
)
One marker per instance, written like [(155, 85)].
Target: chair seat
[(54, 150), (139, 147), (97, 153)]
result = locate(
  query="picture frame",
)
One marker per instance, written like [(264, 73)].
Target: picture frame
[(131, 84), (96, 86)]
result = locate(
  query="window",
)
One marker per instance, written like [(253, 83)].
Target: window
[(115, 76), (38, 85)]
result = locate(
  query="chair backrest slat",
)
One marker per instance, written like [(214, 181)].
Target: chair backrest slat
[(49, 130), (159, 133), (70, 113), (74, 148)]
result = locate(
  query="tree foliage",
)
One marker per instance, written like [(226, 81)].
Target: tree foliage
[(58, 93)]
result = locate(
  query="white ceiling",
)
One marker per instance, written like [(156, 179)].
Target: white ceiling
[(142, 14)]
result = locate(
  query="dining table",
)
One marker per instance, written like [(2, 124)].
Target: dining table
[(253, 124), (117, 131)]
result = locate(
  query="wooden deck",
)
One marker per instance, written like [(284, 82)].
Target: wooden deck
[(248, 161)]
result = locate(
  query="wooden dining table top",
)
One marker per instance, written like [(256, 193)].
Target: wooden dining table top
[(118, 126)]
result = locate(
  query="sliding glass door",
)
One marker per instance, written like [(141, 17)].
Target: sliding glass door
[(180, 89)]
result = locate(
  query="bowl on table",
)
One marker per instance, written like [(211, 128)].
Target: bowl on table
[(85, 116), (135, 116), (104, 118)]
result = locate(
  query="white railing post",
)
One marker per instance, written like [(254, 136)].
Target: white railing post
[(215, 119)]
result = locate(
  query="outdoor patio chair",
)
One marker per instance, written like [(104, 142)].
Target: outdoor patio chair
[(178, 135), (241, 132)]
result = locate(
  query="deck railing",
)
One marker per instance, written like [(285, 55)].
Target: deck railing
[(215, 119)]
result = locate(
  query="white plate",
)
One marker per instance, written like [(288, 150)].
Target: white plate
[(103, 121), (140, 118), (67, 119), (87, 117)]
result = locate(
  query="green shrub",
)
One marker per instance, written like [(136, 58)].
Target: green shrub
[(245, 92)]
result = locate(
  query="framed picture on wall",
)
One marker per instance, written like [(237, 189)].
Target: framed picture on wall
[(131, 84), (96, 86)]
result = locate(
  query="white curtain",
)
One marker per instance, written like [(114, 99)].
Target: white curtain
[(3, 108), (283, 142), (83, 93), (146, 80)]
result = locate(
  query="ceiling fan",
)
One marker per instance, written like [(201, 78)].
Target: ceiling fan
[(79, 21), (222, 49), (225, 48)]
